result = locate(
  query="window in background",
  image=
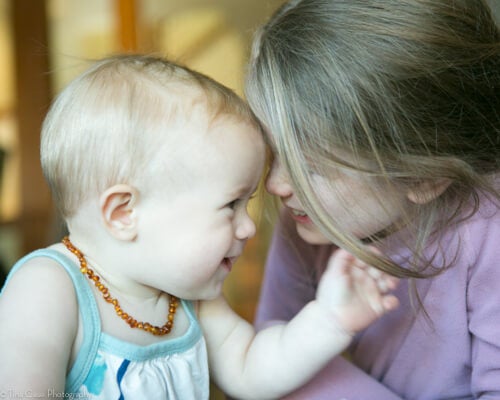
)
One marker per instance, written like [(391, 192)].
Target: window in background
[(9, 146), (9, 157), (202, 38), (79, 31)]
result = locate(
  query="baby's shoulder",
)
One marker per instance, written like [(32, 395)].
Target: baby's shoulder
[(41, 284), (41, 268), (39, 314)]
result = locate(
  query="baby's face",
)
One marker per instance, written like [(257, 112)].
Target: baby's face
[(191, 239)]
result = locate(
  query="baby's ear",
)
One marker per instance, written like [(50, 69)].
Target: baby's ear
[(118, 213), (428, 190)]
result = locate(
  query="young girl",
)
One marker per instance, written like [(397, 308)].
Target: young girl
[(152, 166), (384, 120)]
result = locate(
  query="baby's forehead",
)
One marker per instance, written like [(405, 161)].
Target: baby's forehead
[(211, 147), (191, 114), (220, 118), (202, 132), (189, 101)]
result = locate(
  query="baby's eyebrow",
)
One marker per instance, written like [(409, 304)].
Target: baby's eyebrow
[(244, 190), (237, 192), (270, 153)]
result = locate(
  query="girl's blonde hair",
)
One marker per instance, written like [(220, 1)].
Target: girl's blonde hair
[(409, 89), (108, 124)]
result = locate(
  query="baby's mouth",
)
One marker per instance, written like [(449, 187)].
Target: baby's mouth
[(227, 263)]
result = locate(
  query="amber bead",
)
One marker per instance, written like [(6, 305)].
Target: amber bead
[(132, 322)]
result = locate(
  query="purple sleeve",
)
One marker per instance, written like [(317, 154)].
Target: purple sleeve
[(484, 313), (287, 284), (342, 380), (292, 271)]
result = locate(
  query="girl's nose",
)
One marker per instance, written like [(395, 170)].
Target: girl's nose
[(277, 182), (245, 228)]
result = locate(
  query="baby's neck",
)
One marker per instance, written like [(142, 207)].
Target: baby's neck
[(114, 266), (124, 287)]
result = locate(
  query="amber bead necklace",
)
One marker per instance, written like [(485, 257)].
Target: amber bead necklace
[(132, 322)]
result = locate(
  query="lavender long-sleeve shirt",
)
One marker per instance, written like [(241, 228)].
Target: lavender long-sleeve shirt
[(455, 355)]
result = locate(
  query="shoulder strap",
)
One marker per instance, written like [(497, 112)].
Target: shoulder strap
[(88, 311)]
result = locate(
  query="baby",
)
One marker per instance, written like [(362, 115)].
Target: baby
[(152, 166)]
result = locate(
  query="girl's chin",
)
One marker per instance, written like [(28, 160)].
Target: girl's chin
[(311, 235)]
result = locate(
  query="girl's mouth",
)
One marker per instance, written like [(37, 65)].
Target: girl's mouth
[(300, 216)]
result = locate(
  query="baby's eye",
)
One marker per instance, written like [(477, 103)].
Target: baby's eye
[(232, 205), (243, 202)]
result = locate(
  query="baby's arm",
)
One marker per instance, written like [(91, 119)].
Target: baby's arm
[(280, 358), (39, 319)]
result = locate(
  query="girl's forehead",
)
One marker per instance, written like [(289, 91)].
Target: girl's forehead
[(269, 139)]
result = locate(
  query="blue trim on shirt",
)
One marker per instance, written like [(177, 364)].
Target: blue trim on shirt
[(135, 352)]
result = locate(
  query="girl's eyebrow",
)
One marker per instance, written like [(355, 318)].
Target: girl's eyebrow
[(269, 142), (270, 153), (271, 147)]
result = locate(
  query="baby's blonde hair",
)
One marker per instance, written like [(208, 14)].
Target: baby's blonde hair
[(108, 124), (409, 89)]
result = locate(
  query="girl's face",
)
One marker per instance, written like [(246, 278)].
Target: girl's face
[(190, 238), (352, 201)]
